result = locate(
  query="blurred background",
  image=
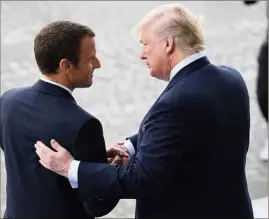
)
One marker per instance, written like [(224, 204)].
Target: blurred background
[(123, 90)]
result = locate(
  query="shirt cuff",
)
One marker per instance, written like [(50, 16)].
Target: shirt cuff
[(73, 174), (130, 148)]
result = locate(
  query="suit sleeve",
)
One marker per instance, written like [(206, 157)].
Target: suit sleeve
[(89, 145), (133, 139), (159, 154)]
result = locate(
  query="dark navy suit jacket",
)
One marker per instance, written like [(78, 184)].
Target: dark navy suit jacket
[(42, 112), (190, 151)]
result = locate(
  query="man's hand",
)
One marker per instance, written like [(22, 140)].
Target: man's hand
[(59, 161), (118, 154)]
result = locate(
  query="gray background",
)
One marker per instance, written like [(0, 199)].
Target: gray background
[(123, 90)]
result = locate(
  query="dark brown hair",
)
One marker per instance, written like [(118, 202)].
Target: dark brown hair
[(59, 40)]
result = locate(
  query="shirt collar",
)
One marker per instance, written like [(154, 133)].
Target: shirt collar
[(57, 84), (185, 62)]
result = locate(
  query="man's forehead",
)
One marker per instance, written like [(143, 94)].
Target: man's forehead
[(88, 43), (87, 51), (142, 35)]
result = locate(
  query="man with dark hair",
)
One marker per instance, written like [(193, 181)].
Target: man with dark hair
[(66, 56)]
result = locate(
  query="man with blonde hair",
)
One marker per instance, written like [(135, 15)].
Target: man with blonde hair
[(188, 157)]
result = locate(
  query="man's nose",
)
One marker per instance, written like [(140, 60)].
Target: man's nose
[(142, 56), (97, 63)]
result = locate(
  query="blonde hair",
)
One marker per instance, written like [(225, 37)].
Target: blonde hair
[(177, 21)]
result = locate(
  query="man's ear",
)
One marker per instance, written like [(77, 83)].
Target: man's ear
[(65, 65), (170, 44)]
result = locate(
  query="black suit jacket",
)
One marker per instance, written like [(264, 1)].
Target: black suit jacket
[(42, 112), (190, 151)]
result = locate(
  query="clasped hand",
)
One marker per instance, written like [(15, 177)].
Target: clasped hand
[(118, 154)]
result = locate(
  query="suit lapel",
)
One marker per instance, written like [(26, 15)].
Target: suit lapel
[(146, 116)]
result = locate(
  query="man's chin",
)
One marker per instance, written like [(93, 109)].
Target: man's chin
[(89, 84), (152, 73), (158, 76)]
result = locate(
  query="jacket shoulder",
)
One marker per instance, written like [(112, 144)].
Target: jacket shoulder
[(82, 116), (14, 93)]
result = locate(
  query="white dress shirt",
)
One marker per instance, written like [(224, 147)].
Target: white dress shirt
[(73, 170), (57, 84)]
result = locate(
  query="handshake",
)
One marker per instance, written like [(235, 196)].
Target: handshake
[(118, 154)]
